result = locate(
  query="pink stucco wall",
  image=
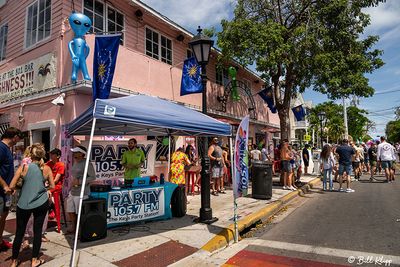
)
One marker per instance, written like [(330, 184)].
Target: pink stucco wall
[(135, 71)]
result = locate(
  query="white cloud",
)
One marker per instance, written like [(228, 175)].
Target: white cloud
[(384, 17), (190, 14)]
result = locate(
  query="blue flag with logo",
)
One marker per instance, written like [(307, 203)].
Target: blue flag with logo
[(299, 113), (105, 57), (191, 78), (267, 95)]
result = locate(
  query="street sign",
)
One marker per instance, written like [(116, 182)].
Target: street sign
[(307, 138)]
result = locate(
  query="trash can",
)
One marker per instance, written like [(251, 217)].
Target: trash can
[(315, 157), (261, 180)]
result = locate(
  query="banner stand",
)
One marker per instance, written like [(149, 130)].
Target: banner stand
[(236, 233), (240, 174)]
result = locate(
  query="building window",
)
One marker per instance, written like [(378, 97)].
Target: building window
[(115, 22), (152, 43), (222, 76), (166, 50), (38, 22), (158, 46), (104, 18), (3, 41)]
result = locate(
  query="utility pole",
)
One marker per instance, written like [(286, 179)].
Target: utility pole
[(346, 127)]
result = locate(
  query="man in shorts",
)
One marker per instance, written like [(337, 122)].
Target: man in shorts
[(217, 166), (345, 153), (10, 137), (385, 155)]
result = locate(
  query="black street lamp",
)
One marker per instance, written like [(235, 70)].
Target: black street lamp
[(201, 47), (322, 117)]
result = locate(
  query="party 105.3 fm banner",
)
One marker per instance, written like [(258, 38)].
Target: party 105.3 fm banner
[(106, 159)]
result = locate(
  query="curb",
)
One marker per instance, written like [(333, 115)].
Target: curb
[(223, 238)]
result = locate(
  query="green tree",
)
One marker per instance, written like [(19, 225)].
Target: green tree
[(334, 120), (301, 44), (392, 131), (358, 122)]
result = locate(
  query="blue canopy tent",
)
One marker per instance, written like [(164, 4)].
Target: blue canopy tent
[(140, 115), (145, 115)]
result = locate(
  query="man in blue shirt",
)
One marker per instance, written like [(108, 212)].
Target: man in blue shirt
[(345, 153), (10, 137)]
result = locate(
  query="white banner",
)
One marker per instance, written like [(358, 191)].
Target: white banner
[(106, 159), (31, 77), (135, 205)]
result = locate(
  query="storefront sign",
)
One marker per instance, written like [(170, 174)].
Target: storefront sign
[(29, 78), (106, 159), (135, 205)]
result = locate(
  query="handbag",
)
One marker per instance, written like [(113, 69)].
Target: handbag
[(20, 181)]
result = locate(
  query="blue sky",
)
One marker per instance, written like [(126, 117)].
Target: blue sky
[(385, 22)]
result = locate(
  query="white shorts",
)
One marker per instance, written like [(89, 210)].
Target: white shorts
[(73, 203)]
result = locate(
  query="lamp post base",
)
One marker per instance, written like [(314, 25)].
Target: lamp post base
[(206, 217)]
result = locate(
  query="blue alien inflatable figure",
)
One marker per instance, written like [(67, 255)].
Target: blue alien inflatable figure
[(78, 47)]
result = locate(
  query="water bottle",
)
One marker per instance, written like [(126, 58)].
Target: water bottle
[(162, 178)]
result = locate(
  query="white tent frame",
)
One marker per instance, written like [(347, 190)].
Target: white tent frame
[(89, 150)]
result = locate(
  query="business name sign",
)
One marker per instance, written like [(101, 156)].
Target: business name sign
[(135, 205), (106, 159), (31, 77)]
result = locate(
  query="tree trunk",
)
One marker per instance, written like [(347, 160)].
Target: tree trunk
[(284, 123)]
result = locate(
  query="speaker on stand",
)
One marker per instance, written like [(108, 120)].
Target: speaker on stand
[(93, 219)]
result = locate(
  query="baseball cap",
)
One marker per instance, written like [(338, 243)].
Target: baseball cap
[(80, 149), (56, 151)]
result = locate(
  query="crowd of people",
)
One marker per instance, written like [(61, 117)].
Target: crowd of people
[(337, 162), (34, 182)]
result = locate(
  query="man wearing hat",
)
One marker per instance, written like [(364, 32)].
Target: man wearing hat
[(217, 166), (77, 171)]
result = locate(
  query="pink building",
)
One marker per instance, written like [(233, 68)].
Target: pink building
[(35, 66)]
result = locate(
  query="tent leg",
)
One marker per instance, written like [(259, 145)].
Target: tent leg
[(89, 149), (169, 156)]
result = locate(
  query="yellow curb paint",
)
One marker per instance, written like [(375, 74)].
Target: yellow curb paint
[(223, 238)]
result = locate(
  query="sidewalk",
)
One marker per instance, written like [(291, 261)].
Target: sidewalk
[(163, 242)]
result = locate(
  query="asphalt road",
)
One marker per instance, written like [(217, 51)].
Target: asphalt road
[(333, 228)]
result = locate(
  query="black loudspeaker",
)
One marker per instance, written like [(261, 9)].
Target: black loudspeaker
[(261, 180), (100, 188), (93, 219)]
